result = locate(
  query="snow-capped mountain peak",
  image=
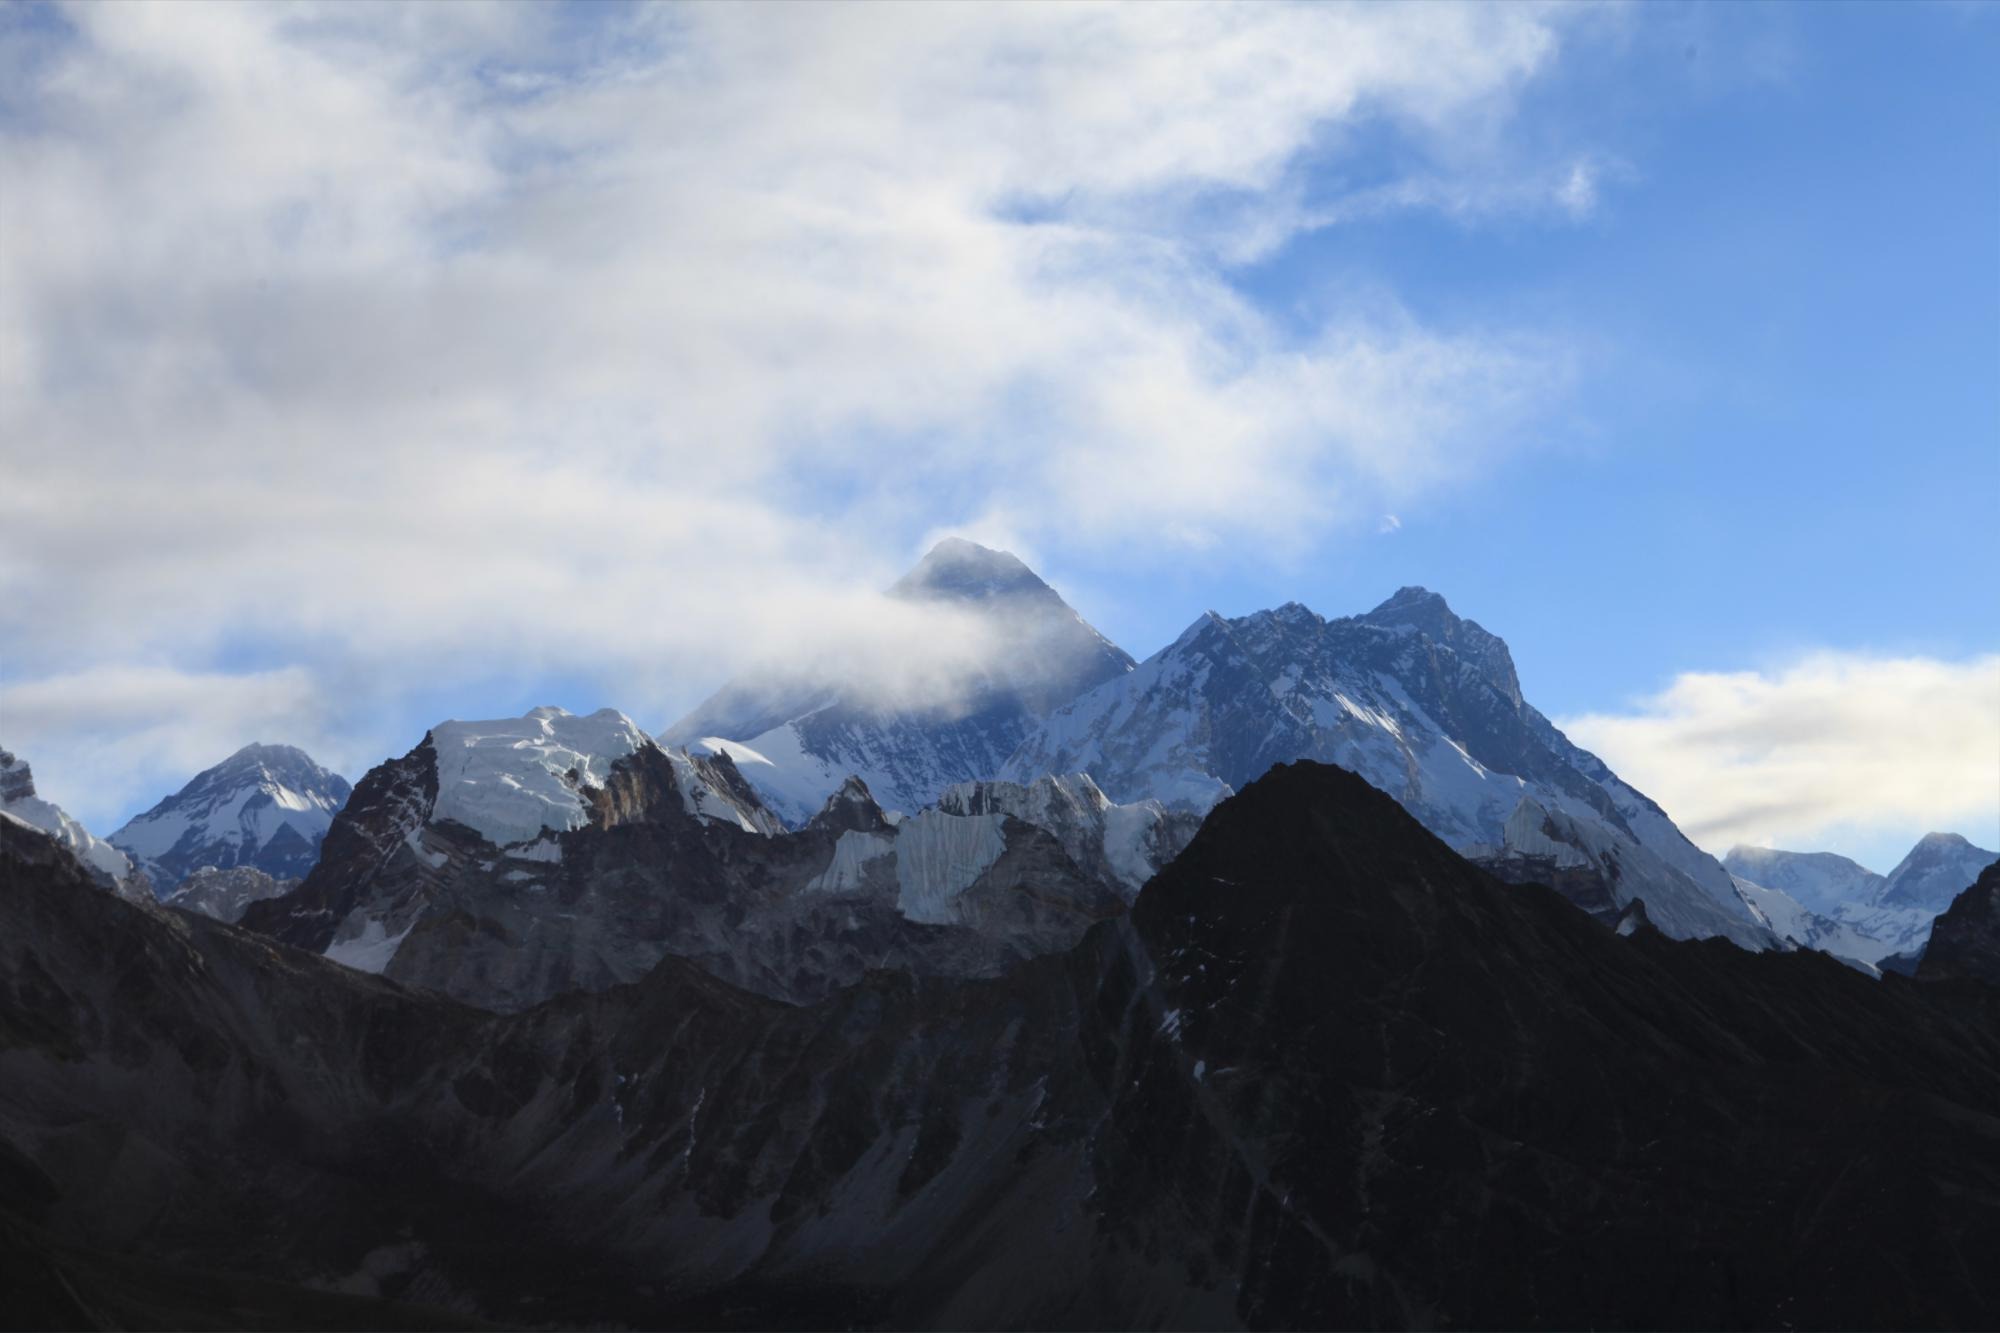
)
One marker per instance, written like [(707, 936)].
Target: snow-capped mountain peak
[(265, 806), (1939, 868), (106, 863), (1423, 703), (797, 739), (966, 571)]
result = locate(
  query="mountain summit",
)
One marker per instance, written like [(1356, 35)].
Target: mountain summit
[(964, 570), (266, 807), (797, 738), (1937, 870)]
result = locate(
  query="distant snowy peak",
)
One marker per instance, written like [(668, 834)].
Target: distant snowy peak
[(797, 736), (105, 862), (1939, 868), (1789, 919), (511, 780), (266, 806), (1424, 704), (1881, 915), (966, 571), (1821, 882)]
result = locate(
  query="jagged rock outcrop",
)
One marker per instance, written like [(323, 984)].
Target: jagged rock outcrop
[(227, 894), (1326, 1073), (106, 866), (620, 853)]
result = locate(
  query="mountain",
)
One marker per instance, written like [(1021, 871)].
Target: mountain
[(798, 737), (1818, 881), (1965, 941), (506, 861), (1847, 906), (1425, 705), (1789, 919), (109, 868), (1936, 871), (266, 806), (1326, 1073)]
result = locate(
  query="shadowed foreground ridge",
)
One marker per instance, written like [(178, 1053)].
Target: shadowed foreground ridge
[(1326, 1073)]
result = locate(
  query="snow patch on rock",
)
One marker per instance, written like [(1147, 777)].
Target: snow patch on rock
[(939, 857), (371, 949), (846, 872)]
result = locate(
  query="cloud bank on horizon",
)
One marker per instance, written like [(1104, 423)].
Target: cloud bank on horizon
[(1837, 747), (353, 356)]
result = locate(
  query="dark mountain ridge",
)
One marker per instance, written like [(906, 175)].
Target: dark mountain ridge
[(1326, 1073)]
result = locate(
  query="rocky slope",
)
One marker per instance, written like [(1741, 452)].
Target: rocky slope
[(504, 862), (1965, 941), (108, 867), (1326, 1073), (227, 894), (797, 738), (1426, 706), (266, 807)]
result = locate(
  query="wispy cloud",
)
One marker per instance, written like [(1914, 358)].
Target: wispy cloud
[(622, 342), (1837, 745)]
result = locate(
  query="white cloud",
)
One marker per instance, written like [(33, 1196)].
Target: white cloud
[(127, 734), (416, 340), (1578, 191), (1838, 746)]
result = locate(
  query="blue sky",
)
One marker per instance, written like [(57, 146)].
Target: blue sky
[(470, 359), (1788, 310)]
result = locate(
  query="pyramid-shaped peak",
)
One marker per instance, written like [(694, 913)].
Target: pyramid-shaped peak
[(1426, 613), (260, 752), (1411, 603), (956, 567), (852, 808)]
